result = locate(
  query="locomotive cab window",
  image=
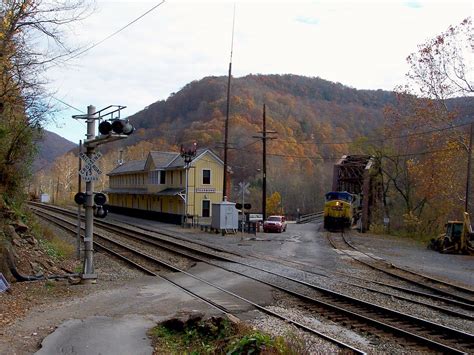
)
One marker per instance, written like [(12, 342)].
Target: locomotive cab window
[(345, 196)]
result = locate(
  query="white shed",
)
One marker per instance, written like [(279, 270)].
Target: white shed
[(225, 216)]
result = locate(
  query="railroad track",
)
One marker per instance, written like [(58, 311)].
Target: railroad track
[(460, 296), (147, 264), (359, 314)]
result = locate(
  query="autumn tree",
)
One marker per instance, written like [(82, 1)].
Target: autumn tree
[(441, 69), (421, 158), (31, 39), (274, 204)]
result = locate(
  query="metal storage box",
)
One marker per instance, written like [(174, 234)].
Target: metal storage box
[(225, 216), (44, 198)]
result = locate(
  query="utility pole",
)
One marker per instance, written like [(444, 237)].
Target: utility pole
[(188, 155), (89, 270), (226, 133), (469, 164), (226, 127), (264, 138), (79, 189)]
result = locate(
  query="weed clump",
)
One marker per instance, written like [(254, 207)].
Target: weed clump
[(192, 334)]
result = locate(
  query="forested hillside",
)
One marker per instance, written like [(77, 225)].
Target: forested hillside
[(308, 115), (316, 122), (49, 147), (304, 106)]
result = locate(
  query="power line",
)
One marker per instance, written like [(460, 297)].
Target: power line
[(66, 104), (116, 32), (377, 139), (337, 158)]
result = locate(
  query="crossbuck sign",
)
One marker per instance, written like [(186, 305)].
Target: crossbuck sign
[(90, 171)]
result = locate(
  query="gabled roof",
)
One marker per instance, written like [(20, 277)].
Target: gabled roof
[(132, 166), (178, 162), (162, 159)]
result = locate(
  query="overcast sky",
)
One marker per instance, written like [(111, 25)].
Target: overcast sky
[(359, 44)]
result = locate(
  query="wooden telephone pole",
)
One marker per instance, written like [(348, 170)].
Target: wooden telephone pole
[(264, 138)]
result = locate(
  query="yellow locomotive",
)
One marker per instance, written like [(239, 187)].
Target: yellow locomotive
[(338, 210)]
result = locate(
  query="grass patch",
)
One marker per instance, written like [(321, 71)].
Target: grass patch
[(53, 245), (57, 248), (217, 336), (49, 285)]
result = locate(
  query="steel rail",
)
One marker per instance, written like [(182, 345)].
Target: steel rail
[(116, 229), (161, 262), (418, 274), (463, 301), (467, 337), (303, 267)]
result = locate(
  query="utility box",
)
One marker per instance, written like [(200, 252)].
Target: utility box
[(44, 198), (225, 216)]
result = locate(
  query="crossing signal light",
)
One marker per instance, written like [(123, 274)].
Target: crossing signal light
[(100, 198), (80, 198), (100, 211), (117, 126), (105, 127)]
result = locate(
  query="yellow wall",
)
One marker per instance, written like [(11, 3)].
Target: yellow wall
[(196, 196), (172, 204)]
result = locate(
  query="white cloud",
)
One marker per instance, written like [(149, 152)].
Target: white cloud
[(360, 44)]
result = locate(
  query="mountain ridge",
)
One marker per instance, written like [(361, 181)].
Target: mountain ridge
[(50, 146)]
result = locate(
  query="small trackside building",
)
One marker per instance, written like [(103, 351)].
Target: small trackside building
[(156, 189)]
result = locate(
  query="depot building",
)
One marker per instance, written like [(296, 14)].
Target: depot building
[(163, 188)]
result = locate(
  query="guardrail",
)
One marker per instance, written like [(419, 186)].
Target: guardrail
[(305, 218)]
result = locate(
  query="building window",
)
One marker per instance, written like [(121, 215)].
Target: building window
[(206, 208), (181, 177), (171, 177), (157, 177), (206, 177)]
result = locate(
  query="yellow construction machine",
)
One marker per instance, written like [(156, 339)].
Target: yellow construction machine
[(458, 238)]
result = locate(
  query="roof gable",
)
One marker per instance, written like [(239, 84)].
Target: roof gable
[(161, 160), (178, 162), (208, 152)]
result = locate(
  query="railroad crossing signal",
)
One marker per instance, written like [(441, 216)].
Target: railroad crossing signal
[(116, 126), (90, 171), (244, 188)]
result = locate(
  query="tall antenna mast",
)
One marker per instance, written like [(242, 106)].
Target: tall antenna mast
[(226, 130)]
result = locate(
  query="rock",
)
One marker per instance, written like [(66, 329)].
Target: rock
[(43, 263), (36, 267), (183, 319), (9, 214), (16, 242), (20, 227), (30, 239), (10, 231)]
